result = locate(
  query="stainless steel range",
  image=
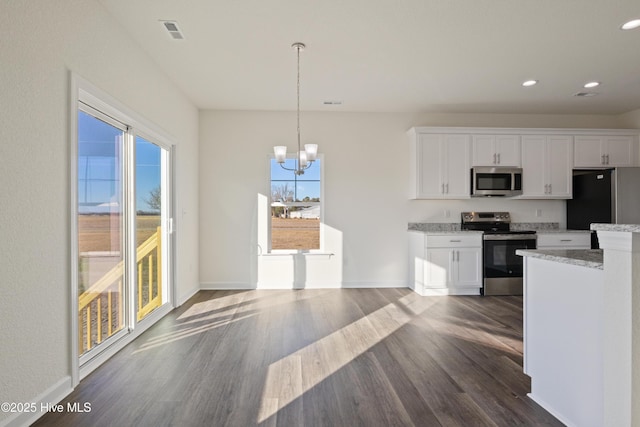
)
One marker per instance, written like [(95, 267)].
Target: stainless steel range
[(502, 268)]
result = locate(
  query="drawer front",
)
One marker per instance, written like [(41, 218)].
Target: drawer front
[(581, 240), (454, 241)]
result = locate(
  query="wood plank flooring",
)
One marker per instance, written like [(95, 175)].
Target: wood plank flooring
[(350, 357)]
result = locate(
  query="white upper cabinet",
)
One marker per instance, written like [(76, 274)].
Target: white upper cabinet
[(595, 151), (442, 157), (547, 163), (496, 150), (439, 166)]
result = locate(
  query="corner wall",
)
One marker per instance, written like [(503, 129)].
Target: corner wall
[(42, 43), (367, 208)]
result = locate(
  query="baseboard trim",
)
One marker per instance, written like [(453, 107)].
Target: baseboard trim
[(186, 298), (550, 409), (365, 284), (240, 286), (52, 396), (226, 286), (433, 292)]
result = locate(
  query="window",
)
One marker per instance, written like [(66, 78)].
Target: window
[(295, 206)]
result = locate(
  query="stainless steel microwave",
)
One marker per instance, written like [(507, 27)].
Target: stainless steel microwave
[(496, 181)]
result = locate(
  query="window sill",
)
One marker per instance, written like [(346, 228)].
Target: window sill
[(292, 253)]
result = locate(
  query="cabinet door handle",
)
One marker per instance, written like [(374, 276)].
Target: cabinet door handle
[(566, 240), (607, 159), (455, 241), (442, 191), (447, 187), (498, 158), (550, 189), (494, 158), (602, 160)]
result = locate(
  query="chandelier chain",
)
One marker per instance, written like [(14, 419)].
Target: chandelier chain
[(298, 95)]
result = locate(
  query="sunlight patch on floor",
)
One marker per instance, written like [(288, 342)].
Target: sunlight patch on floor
[(481, 337), (170, 337), (221, 311), (290, 377)]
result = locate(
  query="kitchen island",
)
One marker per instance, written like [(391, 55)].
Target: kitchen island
[(582, 329)]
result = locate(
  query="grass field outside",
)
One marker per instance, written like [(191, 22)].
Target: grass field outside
[(94, 231), (295, 233)]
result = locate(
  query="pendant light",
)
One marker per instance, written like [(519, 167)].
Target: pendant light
[(305, 157)]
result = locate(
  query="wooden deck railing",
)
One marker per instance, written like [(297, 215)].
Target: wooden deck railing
[(101, 313)]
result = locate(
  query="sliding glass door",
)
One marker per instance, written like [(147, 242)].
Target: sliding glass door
[(151, 221), (101, 229), (123, 221)]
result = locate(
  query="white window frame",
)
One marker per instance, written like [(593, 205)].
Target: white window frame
[(320, 250)]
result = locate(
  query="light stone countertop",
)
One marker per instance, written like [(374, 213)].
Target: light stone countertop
[(634, 228), (429, 227), (447, 233), (436, 229), (591, 258), (559, 231), (537, 226)]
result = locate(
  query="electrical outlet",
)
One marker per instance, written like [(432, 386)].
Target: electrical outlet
[(538, 213)]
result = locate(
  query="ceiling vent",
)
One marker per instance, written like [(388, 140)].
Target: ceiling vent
[(173, 30), (585, 94)]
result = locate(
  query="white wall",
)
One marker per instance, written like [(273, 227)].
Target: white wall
[(366, 188), (42, 43), (630, 119)]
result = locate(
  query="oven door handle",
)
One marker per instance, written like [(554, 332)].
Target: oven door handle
[(509, 237)]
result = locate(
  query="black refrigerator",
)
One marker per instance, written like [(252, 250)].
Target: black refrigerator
[(609, 196)]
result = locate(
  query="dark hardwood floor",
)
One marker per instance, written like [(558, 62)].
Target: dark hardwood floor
[(351, 357)]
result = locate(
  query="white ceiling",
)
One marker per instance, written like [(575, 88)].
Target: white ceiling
[(395, 55)]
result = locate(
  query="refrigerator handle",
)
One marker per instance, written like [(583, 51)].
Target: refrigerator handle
[(614, 202)]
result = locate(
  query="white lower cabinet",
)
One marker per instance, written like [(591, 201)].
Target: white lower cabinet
[(573, 240), (448, 264)]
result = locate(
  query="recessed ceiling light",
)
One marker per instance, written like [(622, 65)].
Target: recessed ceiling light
[(635, 23), (591, 84), (529, 83)]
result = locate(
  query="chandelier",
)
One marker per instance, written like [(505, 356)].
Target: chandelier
[(305, 157)]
